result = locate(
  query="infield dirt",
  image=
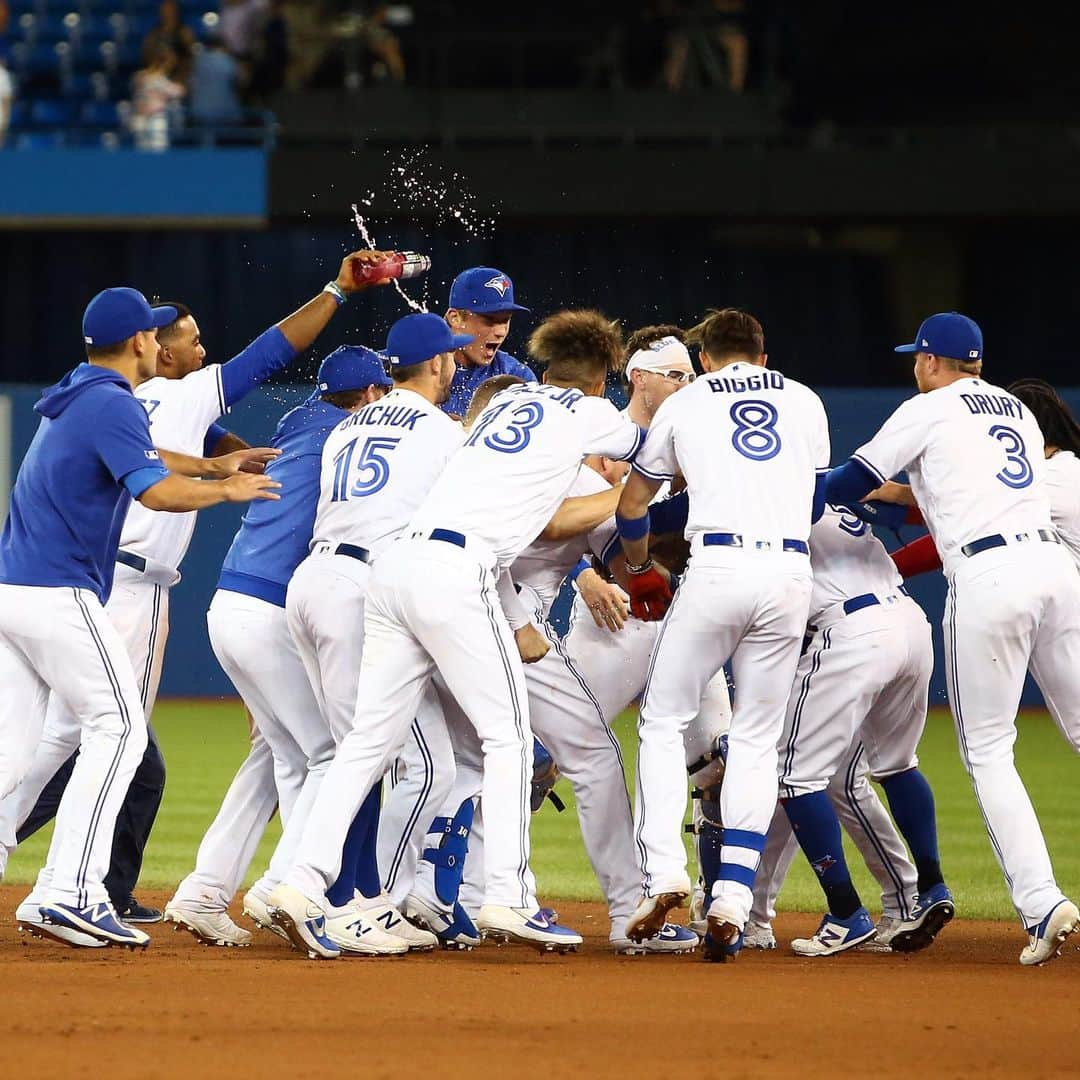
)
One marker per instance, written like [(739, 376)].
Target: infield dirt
[(962, 1008)]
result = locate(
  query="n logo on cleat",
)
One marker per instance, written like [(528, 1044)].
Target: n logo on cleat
[(389, 919)]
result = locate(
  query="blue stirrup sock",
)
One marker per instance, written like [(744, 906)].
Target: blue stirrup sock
[(359, 862), (817, 829), (912, 804)]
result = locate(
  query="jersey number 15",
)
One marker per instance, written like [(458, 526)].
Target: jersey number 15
[(372, 468)]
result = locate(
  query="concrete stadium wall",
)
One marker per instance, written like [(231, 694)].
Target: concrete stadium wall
[(190, 666)]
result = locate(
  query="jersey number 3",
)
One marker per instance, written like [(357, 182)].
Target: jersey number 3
[(755, 435), (373, 470), (1017, 473)]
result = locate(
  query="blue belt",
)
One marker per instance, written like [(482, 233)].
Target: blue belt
[(448, 536), (735, 540), (857, 603), (354, 552), (997, 540), (136, 562)]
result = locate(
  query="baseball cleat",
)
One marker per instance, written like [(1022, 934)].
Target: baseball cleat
[(29, 921), (256, 909), (1048, 938), (724, 939), (134, 912), (301, 921), (672, 940), (698, 921), (207, 927), (933, 909), (758, 936), (355, 934), (97, 920), (385, 916), (886, 928), (836, 935), (532, 928), (452, 930), (651, 913)]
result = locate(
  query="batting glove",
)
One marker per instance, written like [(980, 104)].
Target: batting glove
[(650, 594)]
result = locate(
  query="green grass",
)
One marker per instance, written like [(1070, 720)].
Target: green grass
[(205, 741)]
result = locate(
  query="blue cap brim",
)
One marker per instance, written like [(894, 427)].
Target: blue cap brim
[(497, 308), (908, 348), (162, 316), (460, 340)]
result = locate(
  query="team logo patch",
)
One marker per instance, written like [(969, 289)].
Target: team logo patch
[(153, 455), (499, 283), (926, 344), (827, 862), (973, 354)]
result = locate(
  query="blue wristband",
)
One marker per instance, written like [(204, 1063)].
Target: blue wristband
[(334, 289), (578, 570), (632, 528)]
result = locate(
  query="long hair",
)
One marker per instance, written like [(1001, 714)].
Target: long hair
[(1058, 425)]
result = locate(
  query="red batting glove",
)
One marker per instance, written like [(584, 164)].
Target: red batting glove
[(650, 595)]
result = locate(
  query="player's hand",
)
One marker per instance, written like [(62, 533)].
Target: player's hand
[(892, 492), (606, 601), (254, 459), (531, 644), (349, 280), (650, 593), (243, 487)]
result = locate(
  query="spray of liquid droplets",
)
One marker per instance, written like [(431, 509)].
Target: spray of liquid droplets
[(369, 240)]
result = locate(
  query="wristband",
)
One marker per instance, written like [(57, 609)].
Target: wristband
[(643, 568), (632, 528), (334, 289), (582, 566)]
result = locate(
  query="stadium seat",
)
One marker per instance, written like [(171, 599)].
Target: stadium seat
[(52, 114), (77, 85), (39, 140), (20, 115), (101, 114)]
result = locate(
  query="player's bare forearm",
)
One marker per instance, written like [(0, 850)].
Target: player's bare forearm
[(633, 505), (302, 327), (228, 444), (179, 494), (580, 514), (249, 459), (892, 492)]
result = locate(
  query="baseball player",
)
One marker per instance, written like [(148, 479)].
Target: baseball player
[(250, 636), (433, 602), (481, 307), (864, 677), (92, 453), (739, 431), (183, 403), (976, 461), (377, 467)]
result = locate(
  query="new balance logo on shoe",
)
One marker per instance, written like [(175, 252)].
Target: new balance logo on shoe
[(389, 918)]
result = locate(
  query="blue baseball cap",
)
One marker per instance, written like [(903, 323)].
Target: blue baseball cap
[(416, 338), (114, 315), (947, 334), (483, 289), (351, 367)]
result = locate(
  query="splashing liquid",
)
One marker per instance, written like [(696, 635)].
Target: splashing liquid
[(369, 240)]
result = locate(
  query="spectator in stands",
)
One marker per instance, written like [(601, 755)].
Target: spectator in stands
[(382, 43), (156, 96), (270, 53), (213, 98), (170, 33), (7, 96), (704, 30), (240, 20)]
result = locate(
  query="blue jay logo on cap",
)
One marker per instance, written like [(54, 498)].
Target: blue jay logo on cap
[(500, 283)]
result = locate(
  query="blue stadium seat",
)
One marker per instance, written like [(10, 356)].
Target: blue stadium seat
[(20, 115), (22, 7), (77, 85), (102, 114), (34, 59), (52, 114), (197, 7), (39, 140), (94, 29)]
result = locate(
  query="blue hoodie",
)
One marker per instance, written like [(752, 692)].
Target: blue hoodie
[(91, 455), (467, 379)]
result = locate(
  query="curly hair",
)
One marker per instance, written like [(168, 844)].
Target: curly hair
[(644, 336), (1055, 420), (577, 346)]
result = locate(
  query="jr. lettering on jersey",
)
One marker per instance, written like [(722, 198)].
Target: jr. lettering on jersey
[(993, 405), (766, 380)]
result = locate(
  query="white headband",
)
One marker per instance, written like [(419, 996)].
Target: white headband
[(664, 354)]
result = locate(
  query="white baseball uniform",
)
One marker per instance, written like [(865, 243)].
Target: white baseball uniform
[(1063, 490), (432, 603), (180, 411), (974, 456), (749, 442)]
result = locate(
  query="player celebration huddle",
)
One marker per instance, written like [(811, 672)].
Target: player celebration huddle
[(383, 612)]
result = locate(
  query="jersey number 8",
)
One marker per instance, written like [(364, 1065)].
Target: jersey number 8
[(755, 435)]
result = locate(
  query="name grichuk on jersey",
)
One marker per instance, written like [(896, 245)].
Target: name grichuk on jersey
[(742, 415), (519, 462), (847, 560), (974, 456), (377, 466)]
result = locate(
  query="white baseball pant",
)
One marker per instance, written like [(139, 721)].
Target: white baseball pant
[(866, 821), (1007, 609), (60, 640), (750, 606), (431, 604), (251, 640)]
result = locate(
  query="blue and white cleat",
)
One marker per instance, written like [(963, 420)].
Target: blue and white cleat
[(1048, 938), (836, 935), (453, 929), (933, 909), (98, 921), (672, 940), (302, 921), (651, 913), (531, 928)]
